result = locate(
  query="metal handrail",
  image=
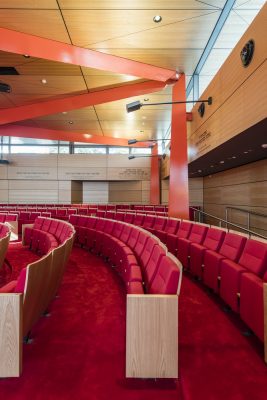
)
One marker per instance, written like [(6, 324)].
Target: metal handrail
[(227, 223), (248, 212)]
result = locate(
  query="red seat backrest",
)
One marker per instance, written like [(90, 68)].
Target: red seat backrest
[(73, 219), (232, 246), (198, 233), (159, 223), (126, 232), (254, 257), (46, 225), (117, 230), (148, 221), (214, 239), (38, 223), (147, 251), (53, 227), (151, 267), (138, 219), (141, 243), (184, 229), (166, 279), (129, 218), (109, 226), (133, 237), (172, 226)]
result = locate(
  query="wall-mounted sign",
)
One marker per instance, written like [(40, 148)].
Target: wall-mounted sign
[(247, 52)]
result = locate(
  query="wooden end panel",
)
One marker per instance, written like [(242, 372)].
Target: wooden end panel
[(152, 336), (265, 319), (10, 335)]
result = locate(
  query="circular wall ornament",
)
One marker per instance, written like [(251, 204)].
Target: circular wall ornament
[(246, 53)]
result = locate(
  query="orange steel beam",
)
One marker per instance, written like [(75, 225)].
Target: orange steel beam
[(155, 178), (178, 188), (54, 134), (35, 46), (15, 114)]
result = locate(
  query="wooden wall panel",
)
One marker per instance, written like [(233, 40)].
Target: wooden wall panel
[(239, 95), (33, 196), (128, 192), (195, 191), (244, 187), (33, 185), (95, 192)]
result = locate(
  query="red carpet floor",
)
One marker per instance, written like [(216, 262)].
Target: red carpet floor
[(78, 352)]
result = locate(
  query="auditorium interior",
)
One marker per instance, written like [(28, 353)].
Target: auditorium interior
[(133, 200)]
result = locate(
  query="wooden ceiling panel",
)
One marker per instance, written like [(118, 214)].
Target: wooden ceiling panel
[(129, 133), (19, 100), (33, 85), (134, 126), (139, 4), (45, 23), (46, 68), (151, 98), (182, 60), (34, 4), (135, 28), (86, 126), (144, 115), (86, 114), (97, 81)]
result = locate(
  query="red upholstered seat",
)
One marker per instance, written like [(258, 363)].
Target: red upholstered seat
[(148, 221), (38, 223), (150, 268), (140, 244), (119, 216), (110, 214), (73, 219), (138, 219), (129, 218), (53, 227), (159, 224), (253, 259), (166, 279), (126, 232), (147, 251), (231, 249), (172, 239), (135, 288), (197, 235), (133, 237), (251, 302), (212, 241), (46, 225), (171, 227)]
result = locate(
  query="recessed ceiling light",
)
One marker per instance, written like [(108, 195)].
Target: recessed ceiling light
[(70, 122), (245, 152), (211, 166), (234, 157), (264, 145), (157, 19), (200, 170), (141, 131), (146, 99), (222, 162), (64, 112), (44, 81), (26, 55)]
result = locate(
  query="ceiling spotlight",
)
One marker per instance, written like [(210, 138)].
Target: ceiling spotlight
[(245, 152), (64, 112), (234, 157), (70, 122), (146, 99), (200, 170), (157, 19), (44, 81), (211, 166), (134, 106), (26, 55), (221, 162), (264, 145)]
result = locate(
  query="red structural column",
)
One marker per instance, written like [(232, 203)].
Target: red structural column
[(155, 178), (178, 190)]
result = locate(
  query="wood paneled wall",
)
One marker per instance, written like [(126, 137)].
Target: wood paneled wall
[(58, 178), (239, 95), (195, 191), (244, 187)]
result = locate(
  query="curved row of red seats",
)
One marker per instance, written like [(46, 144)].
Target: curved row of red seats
[(231, 264), (46, 234), (140, 259)]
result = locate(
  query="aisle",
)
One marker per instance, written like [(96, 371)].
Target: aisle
[(79, 351)]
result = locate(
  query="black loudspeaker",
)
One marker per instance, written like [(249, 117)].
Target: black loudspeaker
[(5, 88), (201, 110), (247, 52)]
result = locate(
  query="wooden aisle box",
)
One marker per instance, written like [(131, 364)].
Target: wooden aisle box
[(10, 335), (152, 336)]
